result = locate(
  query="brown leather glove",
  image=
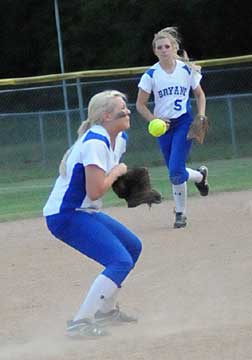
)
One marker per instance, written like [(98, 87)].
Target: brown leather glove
[(198, 128), (135, 188)]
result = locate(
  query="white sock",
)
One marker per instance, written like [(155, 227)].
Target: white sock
[(180, 196), (194, 175), (101, 289), (110, 303)]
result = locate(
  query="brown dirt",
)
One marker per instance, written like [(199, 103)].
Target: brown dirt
[(191, 289)]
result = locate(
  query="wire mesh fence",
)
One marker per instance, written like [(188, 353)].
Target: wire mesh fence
[(38, 123)]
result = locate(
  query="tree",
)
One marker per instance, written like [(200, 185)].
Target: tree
[(106, 33)]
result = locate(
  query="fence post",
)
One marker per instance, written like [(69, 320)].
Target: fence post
[(68, 121), (80, 99), (42, 138), (232, 128)]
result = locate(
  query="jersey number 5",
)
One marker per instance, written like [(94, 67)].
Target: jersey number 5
[(177, 104)]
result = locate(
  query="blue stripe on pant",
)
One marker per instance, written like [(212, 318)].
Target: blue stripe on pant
[(101, 238)]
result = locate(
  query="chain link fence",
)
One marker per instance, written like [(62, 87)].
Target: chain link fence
[(38, 123)]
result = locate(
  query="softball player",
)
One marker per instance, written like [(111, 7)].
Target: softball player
[(170, 81), (73, 214)]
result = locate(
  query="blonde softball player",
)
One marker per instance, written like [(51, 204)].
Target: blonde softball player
[(73, 215), (170, 81)]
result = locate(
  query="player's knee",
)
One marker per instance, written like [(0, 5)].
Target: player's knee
[(137, 251), (139, 247), (119, 270), (124, 264), (178, 177)]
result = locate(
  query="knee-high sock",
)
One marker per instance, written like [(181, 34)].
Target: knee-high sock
[(194, 175), (180, 197), (101, 289), (110, 303)]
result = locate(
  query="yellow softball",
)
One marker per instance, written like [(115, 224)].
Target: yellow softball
[(157, 127)]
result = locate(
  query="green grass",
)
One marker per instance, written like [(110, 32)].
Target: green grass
[(25, 199)]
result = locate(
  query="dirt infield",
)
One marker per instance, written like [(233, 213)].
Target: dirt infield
[(191, 289)]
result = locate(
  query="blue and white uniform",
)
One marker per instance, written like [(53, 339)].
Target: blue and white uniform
[(93, 148), (171, 93), (77, 220)]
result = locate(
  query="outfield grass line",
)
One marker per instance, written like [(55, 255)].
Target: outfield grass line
[(15, 188), (26, 197)]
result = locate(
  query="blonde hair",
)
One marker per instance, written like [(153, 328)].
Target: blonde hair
[(173, 35), (170, 33), (99, 104)]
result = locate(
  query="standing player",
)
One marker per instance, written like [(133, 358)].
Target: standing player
[(73, 215), (170, 80)]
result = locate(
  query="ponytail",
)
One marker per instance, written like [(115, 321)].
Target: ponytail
[(85, 125), (99, 103), (62, 165)]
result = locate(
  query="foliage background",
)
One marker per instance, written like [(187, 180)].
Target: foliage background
[(107, 33)]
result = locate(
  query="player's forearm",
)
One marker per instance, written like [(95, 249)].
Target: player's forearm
[(114, 174), (98, 183), (201, 104), (145, 112)]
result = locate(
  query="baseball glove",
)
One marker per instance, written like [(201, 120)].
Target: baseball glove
[(198, 128), (135, 188)]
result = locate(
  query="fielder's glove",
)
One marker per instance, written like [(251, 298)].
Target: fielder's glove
[(198, 128), (135, 188)]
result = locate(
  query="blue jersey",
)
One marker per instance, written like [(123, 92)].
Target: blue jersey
[(171, 90), (93, 148)]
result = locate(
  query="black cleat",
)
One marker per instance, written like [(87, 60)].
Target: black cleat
[(180, 221), (203, 186)]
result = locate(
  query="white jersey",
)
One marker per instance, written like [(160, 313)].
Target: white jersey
[(171, 91), (93, 148)]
